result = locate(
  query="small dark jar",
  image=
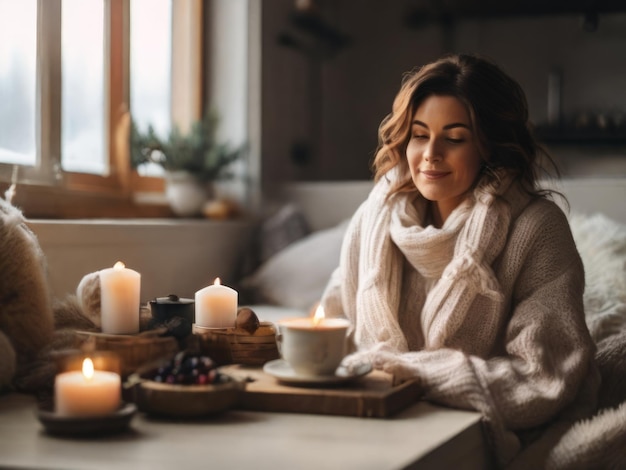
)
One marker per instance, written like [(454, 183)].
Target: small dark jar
[(175, 313)]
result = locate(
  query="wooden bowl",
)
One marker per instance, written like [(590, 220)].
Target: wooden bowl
[(178, 400), (83, 426)]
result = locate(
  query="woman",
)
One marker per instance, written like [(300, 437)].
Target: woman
[(458, 271)]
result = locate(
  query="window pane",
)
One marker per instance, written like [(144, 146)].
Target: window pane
[(83, 146), (150, 67), (18, 62)]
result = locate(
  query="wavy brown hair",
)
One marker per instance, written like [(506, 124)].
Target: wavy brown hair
[(498, 112)]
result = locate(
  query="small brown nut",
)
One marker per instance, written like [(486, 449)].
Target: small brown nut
[(247, 320)]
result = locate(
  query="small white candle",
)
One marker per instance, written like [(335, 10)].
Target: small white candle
[(88, 392), (216, 306), (313, 346), (119, 300), (317, 322)]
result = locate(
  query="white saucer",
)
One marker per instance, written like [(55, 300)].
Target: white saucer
[(281, 370)]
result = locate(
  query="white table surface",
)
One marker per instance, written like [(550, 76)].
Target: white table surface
[(422, 436)]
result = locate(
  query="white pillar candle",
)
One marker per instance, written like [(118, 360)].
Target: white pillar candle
[(119, 300), (88, 392), (216, 306)]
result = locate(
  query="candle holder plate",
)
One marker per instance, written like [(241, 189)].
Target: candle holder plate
[(86, 426)]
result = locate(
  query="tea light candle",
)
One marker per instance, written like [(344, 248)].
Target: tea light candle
[(313, 346), (216, 306), (88, 392), (317, 321), (119, 299)]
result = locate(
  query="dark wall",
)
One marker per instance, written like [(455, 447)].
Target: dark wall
[(322, 104)]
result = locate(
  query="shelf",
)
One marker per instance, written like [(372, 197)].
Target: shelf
[(451, 10), (581, 136)]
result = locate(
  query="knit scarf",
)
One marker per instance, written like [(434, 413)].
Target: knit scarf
[(454, 263)]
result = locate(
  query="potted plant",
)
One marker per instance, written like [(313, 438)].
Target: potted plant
[(191, 161)]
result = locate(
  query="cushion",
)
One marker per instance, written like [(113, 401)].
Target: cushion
[(275, 231), (601, 242), (296, 276), (281, 229)]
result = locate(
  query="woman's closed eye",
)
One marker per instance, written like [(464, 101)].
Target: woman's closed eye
[(426, 137)]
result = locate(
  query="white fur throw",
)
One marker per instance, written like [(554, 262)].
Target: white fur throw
[(601, 242), (599, 442)]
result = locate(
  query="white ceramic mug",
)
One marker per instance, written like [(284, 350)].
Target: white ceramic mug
[(313, 349)]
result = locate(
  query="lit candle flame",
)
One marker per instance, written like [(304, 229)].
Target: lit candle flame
[(319, 315), (217, 281), (88, 368), (119, 265)]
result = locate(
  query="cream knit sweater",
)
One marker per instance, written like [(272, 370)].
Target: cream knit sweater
[(485, 312)]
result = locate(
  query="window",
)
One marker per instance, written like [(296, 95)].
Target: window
[(83, 107), (18, 61), (69, 72), (150, 68)]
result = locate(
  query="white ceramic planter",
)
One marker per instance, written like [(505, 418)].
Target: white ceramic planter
[(185, 194)]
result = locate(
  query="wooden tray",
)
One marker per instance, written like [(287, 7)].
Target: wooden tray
[(372, 396)]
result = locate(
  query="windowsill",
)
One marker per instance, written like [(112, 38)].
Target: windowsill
[(49, 202), (45, 202)]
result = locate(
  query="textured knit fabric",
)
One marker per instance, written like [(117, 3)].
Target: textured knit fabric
[(485, 312)]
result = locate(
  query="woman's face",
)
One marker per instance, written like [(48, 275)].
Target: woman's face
[(442, 153)]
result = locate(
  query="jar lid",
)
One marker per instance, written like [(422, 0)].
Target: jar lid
[(173, 299)]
